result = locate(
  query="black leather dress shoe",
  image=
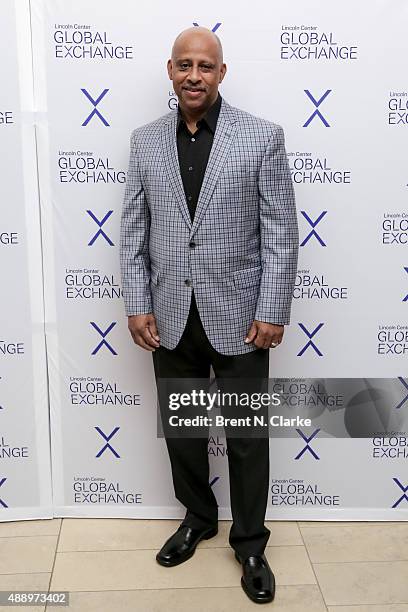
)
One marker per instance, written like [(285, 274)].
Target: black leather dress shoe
[(257, 580), (182, 544)]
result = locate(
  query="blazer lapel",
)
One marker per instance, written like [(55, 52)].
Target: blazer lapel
[(171, 162), (223, 138)]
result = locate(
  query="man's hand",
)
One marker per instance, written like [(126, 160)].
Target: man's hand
[(265, 335), (144, 331)]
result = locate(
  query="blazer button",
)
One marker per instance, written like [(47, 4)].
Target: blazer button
[(188, 282), (192, 244)]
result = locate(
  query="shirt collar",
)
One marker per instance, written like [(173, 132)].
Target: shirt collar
[(210, 118)]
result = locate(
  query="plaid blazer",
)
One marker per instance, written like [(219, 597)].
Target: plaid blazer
[(245, 230)]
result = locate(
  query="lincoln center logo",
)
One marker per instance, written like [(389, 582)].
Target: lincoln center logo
[(79, 42), (392, 339), (308, 43), (100, 231), (103, 342), (2, 502), (394, 228), (398, 108), (316, 103), (405, 399), (404, 493), (307, 447), (95, 111), (213, 29), (310, 335), (107, 438), (313, 224)]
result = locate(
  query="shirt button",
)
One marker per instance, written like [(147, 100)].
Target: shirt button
[(187, 282), (190, 168), (192, 244), (193, 140), (190, 198)]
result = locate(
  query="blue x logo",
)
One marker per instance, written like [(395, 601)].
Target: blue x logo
[(406, 397), (313, 225), (107, 438), (317, 103), (310, 336), (214, 480), (95, 104), (213, 29), (403, 489), (103, 334), (100, 231), (2, 502), (307, 447), (406, 297)]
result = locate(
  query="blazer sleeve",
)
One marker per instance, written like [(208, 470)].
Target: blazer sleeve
[(134, 240), (279, 233)]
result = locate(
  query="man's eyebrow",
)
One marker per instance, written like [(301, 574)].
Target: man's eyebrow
[(181, 61)]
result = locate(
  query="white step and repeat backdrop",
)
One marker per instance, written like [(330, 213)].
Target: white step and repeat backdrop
[(333, 75), (25, 472)]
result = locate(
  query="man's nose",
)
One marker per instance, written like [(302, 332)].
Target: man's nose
[(194, 75)]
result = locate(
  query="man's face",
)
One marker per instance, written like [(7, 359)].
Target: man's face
[(196, 70)]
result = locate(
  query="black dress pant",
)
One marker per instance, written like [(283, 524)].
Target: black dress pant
[(248, 458)]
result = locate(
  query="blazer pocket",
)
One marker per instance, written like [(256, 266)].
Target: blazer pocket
[(154, 275), (247, 277)]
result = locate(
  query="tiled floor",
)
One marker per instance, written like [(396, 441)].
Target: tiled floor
[(109, 565)]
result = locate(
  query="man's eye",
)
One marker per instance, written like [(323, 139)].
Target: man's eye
[(183, 66)]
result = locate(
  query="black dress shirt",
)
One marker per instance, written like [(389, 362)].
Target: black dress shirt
[(194, 150)]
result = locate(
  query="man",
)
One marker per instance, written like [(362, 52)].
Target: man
[(209, 243)]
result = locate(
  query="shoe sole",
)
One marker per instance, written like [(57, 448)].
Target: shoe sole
[(251, 597), (207, 536)]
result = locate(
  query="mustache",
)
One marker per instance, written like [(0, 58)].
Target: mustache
[(193, 88)]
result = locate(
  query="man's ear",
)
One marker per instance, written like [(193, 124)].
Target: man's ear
[(170, 69), (223, 72)]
